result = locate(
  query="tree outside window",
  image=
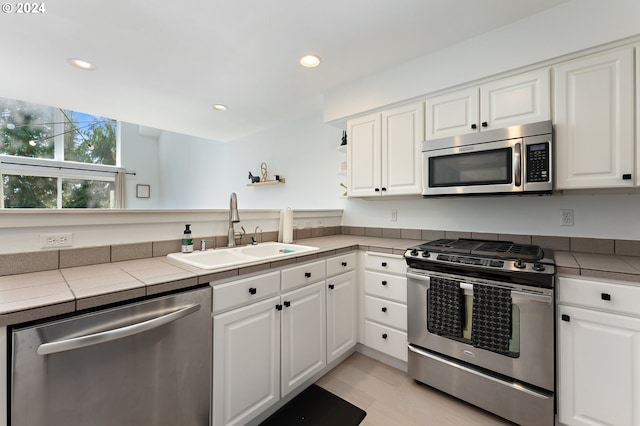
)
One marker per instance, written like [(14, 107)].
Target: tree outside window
[(55, 158)]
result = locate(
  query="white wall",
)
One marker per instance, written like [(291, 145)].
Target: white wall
[(304, 152), (193, 172), (139, 153)]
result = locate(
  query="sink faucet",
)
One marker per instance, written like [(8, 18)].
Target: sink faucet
[(234, 217)]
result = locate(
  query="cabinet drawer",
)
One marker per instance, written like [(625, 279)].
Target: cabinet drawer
[(304, 274), (609, 295), (339, 264), (386, 339), (386, 312), (393, 264), (386, 286), (245, 291)]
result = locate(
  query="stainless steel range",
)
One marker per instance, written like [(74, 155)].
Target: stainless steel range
[(481, 325)]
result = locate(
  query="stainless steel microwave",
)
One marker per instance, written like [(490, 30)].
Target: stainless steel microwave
[(513, 160)]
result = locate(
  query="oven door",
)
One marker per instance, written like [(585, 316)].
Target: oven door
[(492, 167), (529, 356)]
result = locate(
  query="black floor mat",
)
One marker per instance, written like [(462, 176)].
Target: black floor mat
[(315, 406)]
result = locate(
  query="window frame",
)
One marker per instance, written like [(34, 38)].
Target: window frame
[(58, 168)]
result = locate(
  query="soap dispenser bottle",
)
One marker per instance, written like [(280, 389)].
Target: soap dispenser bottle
[(187, 240)]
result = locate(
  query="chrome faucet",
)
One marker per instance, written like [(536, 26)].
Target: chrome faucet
[(234, 217)]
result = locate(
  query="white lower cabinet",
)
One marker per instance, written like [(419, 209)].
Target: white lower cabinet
[(246, 362), (598, 353), (385, 304), (341, 315), (303, 335), (268, 347)]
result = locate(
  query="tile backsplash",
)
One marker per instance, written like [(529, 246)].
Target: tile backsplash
[(17, 263)]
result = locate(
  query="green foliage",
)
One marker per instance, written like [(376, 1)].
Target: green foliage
[(30, 130)]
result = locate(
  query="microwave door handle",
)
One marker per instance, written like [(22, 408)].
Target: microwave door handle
[(517, 164)]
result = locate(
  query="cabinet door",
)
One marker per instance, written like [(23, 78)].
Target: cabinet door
[(452, 114), (341, 315), (524, 98), (246, 362), (598, 368), (402, 136), (303, 335), (594, 128), (363, 156)]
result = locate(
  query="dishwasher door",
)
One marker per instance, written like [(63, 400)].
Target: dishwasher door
[(147, 363)]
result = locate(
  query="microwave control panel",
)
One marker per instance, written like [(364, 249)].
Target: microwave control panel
[(538, 162)]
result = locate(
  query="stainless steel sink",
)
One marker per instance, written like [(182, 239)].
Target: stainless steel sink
[(225, 257)]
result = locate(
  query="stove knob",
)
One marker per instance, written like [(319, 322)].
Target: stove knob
[(520, 264), (538, 267), (425, 254), (414, 252)]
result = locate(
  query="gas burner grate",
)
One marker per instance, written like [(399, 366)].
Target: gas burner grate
[(507, 249)]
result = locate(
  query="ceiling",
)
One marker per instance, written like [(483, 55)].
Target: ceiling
[(163, 64)]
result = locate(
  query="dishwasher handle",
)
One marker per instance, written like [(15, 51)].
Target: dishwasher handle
[(118, 333)]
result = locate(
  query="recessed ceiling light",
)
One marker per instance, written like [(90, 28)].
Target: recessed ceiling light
[(310, 61), (220, 107), (83, 65)]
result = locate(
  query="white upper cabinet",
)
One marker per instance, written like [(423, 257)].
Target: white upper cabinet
[(594, 121), (383, 152), (453, 114), (521, 99)]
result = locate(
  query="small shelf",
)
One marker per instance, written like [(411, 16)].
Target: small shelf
[(268, 182)]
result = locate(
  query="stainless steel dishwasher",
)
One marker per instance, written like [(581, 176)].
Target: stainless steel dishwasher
[(147, 363)]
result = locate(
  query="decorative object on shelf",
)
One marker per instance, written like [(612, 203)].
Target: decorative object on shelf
[(254, 179), (344, 138), (263, 171), (143, 191), (257, 180)]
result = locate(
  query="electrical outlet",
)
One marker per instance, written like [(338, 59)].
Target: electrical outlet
[(64, 239), (567, 217), (394, 215)]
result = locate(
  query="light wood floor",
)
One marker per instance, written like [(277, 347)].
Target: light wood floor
[(391, 398)]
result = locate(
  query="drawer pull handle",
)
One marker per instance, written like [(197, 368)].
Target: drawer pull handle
[(287, 303), (384, 309), (278, 307), (384, 264), (331, 286), (344, 264), (384, 336), (384, 283), (253, 290), (307, 274), (566, 317), (605, 296)]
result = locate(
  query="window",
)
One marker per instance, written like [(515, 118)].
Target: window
[(56, 158)]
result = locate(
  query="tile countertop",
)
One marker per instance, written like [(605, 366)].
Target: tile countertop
[(37, 295)]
